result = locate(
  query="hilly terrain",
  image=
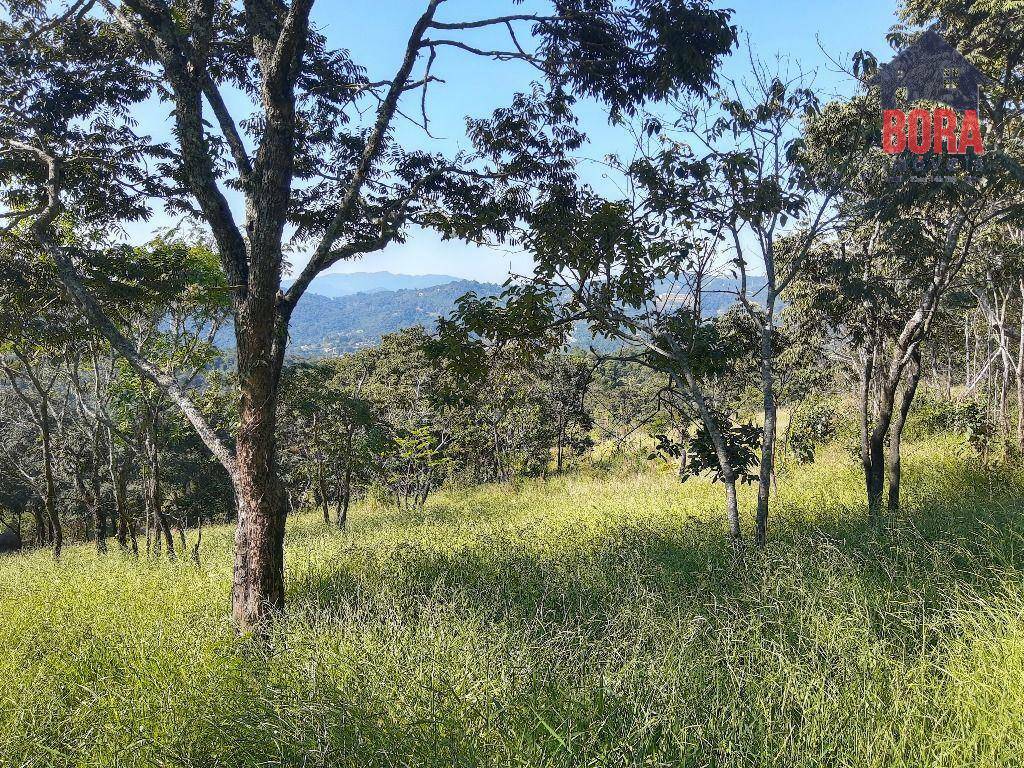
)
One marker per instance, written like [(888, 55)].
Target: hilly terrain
[(323, 325), (583, 620), (335, 323)]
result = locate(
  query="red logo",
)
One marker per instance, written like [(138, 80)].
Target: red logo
[(923, 131)]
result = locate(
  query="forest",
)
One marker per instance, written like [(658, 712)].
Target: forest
[(730, 474)]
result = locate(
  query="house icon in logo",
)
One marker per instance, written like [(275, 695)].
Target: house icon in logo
[(930, 70)]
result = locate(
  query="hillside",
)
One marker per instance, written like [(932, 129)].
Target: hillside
[(327, 325), (549, 624), (322, 325)]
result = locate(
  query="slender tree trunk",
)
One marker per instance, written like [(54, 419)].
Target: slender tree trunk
[(728, 472), (119, 481), (346, 491), (558, 449), (199, 541), (40, 523), (732, 508), (867, 374), (154, 494), (90, 498), (766, 471), (99, 512), (49, 492), (1019, 371), (893, 466), (321, 483)]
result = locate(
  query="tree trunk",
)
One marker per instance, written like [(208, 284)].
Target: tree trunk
[(321, 482), (99, 513), (1019, 371), (119, 480), (40, 523), (154, 494), (728, 472), (49, 492), (893, 467), (867, 373), (346, 491), (766, 471), (258, 579), (558, 450), (732, 510), (876, 474)]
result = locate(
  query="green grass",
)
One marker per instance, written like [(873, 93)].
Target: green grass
[(586, 621)]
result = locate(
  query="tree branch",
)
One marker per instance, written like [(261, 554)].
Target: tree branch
[(320, 259)]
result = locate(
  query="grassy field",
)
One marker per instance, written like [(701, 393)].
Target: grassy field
[(587, 621)]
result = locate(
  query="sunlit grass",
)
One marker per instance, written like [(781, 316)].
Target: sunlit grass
[(589, 620)]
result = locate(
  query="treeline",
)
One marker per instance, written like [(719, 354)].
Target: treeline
[(90, 452), (398, 421)]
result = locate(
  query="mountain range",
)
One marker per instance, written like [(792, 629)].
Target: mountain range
[(343, 313), (332, 286)]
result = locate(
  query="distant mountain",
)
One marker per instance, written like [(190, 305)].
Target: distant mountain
[(327, 326), (324, 325), (333, 286)]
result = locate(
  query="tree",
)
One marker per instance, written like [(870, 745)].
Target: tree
[(756, 192), (935, 228), (347, 188), (570, 377), (635, 272)]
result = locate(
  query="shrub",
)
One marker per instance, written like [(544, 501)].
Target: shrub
[(933, 415), (812, 424)]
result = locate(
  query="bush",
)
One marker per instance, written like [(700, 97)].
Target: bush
[(933, 415), (813, 423)]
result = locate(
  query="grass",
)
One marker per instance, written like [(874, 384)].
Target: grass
[(587, 621)]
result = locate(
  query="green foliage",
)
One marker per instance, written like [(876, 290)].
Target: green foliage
[(812, 424), (697, 453), (401, 419), (932, 415)]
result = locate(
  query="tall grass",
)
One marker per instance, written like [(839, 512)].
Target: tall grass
[(585, 621)]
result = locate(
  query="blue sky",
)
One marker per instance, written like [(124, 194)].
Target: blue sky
[(791, 28)]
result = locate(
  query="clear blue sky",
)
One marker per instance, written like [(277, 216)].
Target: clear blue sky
[(475, 87)]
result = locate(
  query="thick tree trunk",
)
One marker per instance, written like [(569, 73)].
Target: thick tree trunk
[(876, 474), (258, 581), (873, 440), (876, 448)]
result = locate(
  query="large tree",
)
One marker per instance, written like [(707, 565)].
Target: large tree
[(312, 152)]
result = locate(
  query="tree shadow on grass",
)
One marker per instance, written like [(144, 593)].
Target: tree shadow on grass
[(962, 532)]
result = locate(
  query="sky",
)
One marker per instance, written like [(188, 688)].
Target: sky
[(795, 29)]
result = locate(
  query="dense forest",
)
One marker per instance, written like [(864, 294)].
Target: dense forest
[(738, 458)]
